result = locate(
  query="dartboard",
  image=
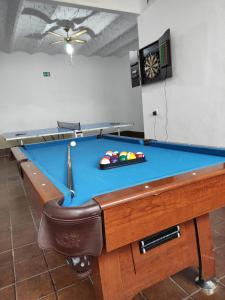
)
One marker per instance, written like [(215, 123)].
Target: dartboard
[(151, 66)]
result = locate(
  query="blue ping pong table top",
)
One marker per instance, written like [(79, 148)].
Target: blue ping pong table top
[(26, 134)]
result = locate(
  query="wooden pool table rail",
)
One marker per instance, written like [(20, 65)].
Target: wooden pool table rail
[(39, 188), (18, 154), (34, 179)]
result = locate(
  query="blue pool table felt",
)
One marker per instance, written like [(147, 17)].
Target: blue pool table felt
[(90, 181)]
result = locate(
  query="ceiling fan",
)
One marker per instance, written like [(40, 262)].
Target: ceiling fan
[(73, 24), (68, 39)]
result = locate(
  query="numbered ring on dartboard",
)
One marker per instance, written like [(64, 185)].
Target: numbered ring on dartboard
[(152, 66)]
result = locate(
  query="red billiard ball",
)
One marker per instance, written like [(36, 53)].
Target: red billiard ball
[(140, 155)]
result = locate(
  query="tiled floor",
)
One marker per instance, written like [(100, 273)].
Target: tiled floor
[(27, 273)]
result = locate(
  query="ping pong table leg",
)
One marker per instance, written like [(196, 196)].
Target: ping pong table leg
[(20, 142), (118, 131)]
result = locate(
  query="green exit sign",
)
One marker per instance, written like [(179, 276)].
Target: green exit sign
[(46, 74)]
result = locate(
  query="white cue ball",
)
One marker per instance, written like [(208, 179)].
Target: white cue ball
[(73, 144)]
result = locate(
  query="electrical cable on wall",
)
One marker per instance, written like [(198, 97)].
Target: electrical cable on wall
[(155, 127)]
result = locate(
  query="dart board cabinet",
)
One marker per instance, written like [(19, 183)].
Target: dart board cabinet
[(135, 68), (155, 60)]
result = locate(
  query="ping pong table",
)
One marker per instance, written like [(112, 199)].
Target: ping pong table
[(52, 132)]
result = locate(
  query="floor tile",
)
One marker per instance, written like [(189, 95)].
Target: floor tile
[(5, 229), (8, 293), (26, 252), (220, 228), (34, 288), (186, 279), (54, 260), (28, 236), (80, 291), (223, 281), (17, 202), (218, 295), (218, 240), (6, 276), (219, 213), (37, 217), (215, 216), (30, 267), (220, 261), (19, 215), (6, 259), (63, 276), (138, 297), (165, 290), (49, 297), (25, 226), (5, 244), (3, 201)]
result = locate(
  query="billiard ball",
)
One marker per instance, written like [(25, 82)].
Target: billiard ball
[(73, 144), (124, 153), (123, 157), (109, 153), (116, 153), (105, 161), (140, 155), (114, 160), (131, 155)]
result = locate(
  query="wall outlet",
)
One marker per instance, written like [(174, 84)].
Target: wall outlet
[(155, 112)]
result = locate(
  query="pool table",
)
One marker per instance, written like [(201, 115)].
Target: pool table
[(132, 226)]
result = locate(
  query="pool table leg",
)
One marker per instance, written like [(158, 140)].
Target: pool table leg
[(107, 277), (207, 269)]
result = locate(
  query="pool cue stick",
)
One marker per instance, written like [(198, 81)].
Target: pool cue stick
[(69, 171)]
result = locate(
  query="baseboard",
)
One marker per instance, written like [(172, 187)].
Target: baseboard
[(136, 134)]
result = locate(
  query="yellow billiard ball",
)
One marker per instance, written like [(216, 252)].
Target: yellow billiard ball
[(131, 155)]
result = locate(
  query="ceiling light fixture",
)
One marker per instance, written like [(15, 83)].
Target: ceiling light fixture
[(69, 49)]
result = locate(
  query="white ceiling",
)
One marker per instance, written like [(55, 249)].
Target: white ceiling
[(23, 27)]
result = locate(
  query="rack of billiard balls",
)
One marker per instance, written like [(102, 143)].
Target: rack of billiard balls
[(114, 159)]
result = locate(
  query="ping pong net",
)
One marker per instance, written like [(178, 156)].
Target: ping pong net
[(67, 125)]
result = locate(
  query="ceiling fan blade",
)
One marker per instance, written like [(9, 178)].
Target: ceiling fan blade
[(89, 31), (37, 13), (58, 42), (56, 34), (78, 41), (79, 33)]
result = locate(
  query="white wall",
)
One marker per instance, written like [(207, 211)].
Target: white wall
[(196, 92), (89, 90)]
